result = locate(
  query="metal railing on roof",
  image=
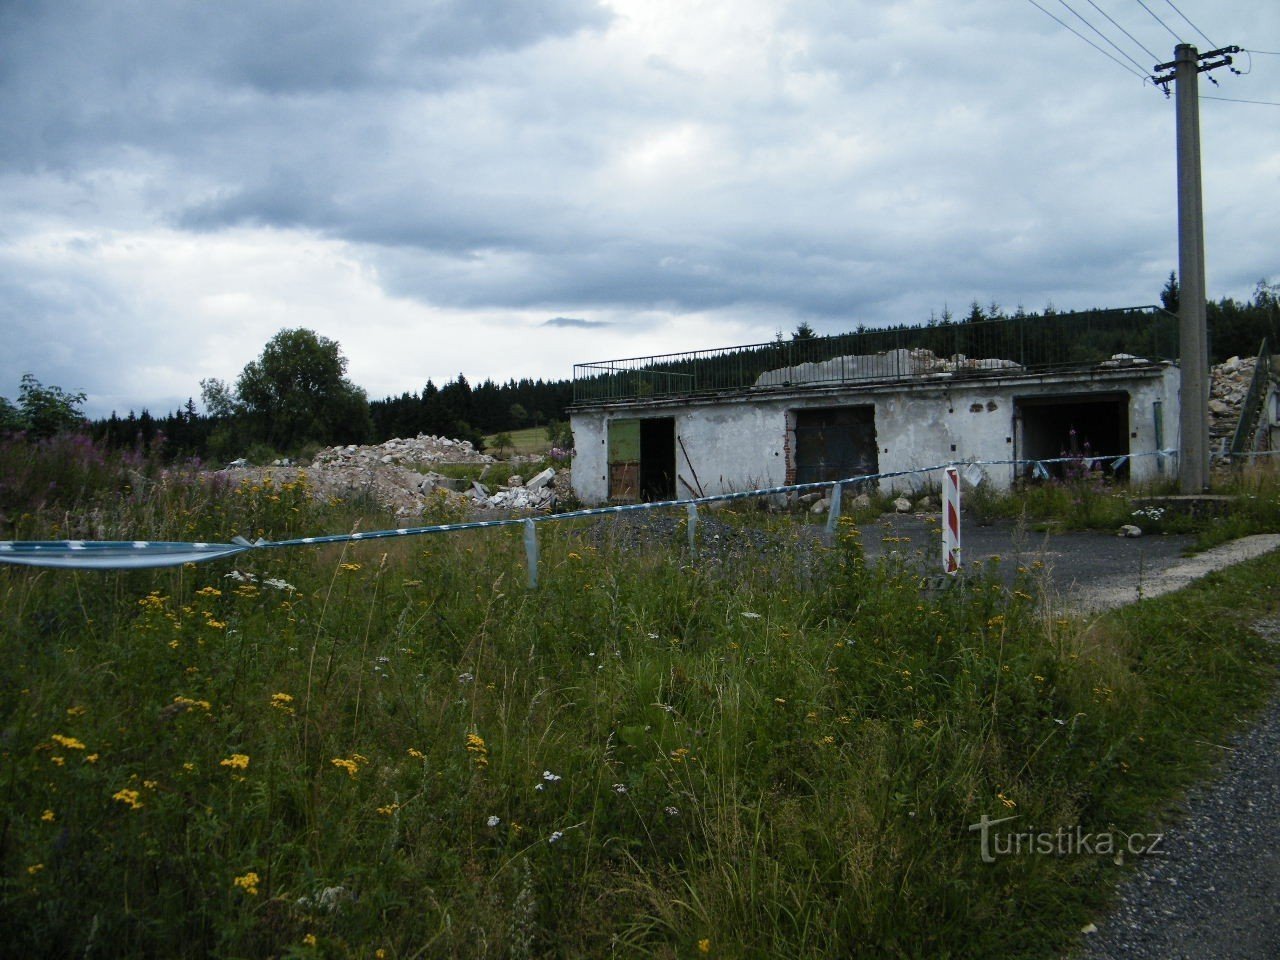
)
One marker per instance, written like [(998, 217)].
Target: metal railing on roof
[(983, 348)]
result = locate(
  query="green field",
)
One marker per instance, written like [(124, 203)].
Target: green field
[(398, 750), (531, 441)]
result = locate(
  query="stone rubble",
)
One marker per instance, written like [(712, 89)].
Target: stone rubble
[(391, 475), (1228, 386)]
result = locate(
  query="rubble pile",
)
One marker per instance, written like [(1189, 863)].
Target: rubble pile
[(421, 449), (391, 474), (1228, 386), (537, 494), (900, 363)]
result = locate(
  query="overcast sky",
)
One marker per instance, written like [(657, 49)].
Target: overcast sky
[(506, 187)]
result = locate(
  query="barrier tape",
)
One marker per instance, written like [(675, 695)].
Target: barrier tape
[(141, 554)]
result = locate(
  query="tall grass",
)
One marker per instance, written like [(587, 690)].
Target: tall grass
[(400, 751)]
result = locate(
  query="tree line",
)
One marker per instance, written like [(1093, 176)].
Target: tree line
[(295, 397)]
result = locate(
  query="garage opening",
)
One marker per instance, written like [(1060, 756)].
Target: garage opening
[(642, 459), (1074, 425), (835, 443)]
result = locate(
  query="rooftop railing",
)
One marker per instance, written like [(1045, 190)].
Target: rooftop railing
[(983, 348)]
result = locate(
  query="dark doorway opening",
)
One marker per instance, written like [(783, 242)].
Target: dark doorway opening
[(642, 459), (1080, 427), (658, 459), (835, 443)]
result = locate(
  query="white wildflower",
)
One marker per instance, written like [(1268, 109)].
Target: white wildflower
[(550, 777), (555, 836), (749, 615), (493, 821)]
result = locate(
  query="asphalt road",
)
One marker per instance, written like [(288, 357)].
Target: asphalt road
[(1075, 564)]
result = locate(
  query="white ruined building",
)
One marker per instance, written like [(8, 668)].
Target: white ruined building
[(722, 421)]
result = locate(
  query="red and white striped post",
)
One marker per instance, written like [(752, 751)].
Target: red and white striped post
[(951, 520)]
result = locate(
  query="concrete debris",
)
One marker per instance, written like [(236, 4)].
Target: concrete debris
[(392, 476), (890, 365), (902, 505), (820, 506), (418, 450), (1228, 386), (536, 483), (1129, 530)]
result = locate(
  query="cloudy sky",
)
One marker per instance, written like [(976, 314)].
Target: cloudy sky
[(507, 187)]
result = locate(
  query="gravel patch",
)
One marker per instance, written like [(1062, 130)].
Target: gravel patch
[(1212, 892)]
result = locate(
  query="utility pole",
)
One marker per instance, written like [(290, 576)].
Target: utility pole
[(1193, 340)]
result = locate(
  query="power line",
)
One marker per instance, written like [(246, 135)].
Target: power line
[(1101, 34), (1067, 26), (1268, 53), (1124, 31), (1265, 103), (1193, 26), (1159, 21)]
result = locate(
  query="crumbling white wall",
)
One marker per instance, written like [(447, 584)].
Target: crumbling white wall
[(745, 441)]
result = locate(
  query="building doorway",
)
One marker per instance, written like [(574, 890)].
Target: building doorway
[(835, 443), (1077, 426), (642, 459)]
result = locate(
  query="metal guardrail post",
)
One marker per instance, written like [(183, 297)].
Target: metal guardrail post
[(837, 497), (531, 552)]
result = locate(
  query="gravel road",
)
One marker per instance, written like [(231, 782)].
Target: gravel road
[(1214, 892)]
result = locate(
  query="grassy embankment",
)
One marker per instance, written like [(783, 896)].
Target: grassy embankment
[(397, 750)]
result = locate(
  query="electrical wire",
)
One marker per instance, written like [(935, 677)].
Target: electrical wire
[(1124, 31), (1265, 103), (1140, 76), (1159, 21), (1101, 34), (1266, 53), (1211, 44)]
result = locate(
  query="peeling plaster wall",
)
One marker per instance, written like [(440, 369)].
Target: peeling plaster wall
[(746, 441)]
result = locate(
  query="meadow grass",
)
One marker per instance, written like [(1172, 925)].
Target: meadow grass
[(395, 749), (527, 441)]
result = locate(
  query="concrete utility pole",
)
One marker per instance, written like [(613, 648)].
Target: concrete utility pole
[(1193, 456)]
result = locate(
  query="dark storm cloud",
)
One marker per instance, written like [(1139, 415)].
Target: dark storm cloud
[(92, 76), (744, 163)]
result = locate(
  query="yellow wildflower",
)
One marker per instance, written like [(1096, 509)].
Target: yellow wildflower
[(34, 869), (129, 797), (309, 940), (208, 592), (47, 816), (71, 743), (1006, 801), (91, 758), (476, 747), (58, 761), (704, 945), (76, 711), (248, 883), (350, 766), (349, 567), (417, 754), (281, 701), (239, 761)]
